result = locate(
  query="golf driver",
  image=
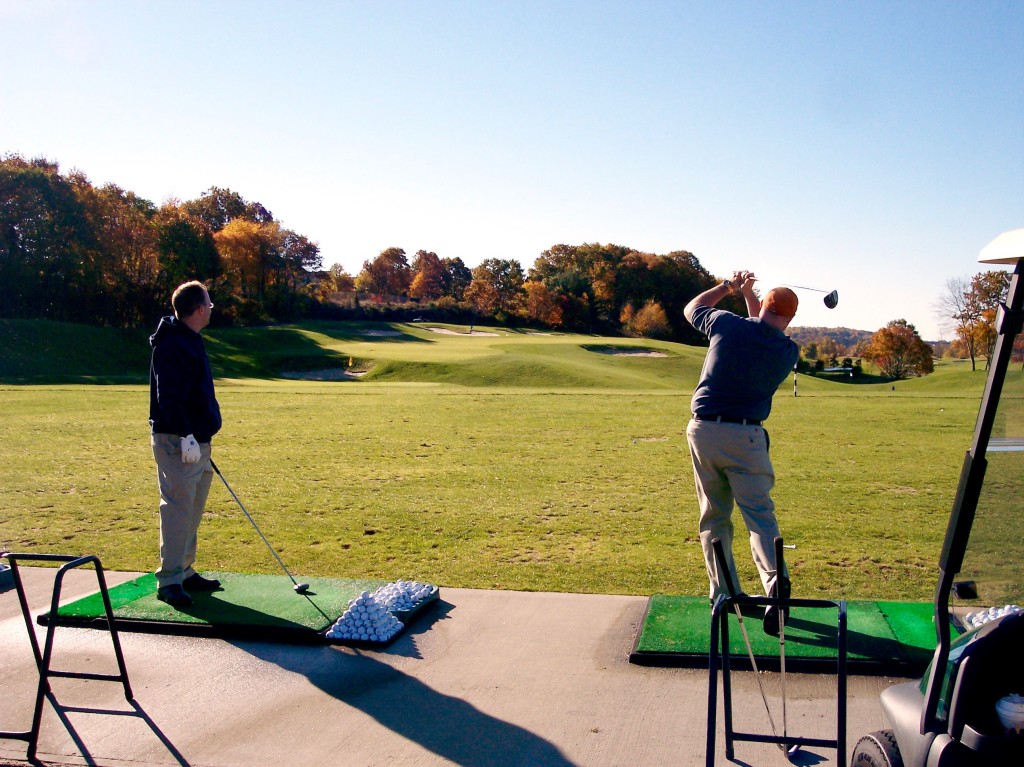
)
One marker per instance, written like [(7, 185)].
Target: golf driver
[(300, 588), (831, 298)]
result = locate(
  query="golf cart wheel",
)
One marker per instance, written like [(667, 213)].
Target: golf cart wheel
[(878, 749)]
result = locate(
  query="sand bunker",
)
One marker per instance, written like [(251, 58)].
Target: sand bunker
[(626, 351), (331, 374), (450, 332), (379, 333)]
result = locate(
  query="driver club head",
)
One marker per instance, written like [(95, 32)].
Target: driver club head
[(831, 299)]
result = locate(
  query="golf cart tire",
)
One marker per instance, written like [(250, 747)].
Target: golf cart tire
[(877, 749)]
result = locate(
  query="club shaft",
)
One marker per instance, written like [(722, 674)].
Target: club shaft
[(779, 569), (253, 522), (800, 287), (804, 287)]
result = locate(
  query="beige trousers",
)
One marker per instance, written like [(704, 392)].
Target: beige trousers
[(731, 465), (183, 491)]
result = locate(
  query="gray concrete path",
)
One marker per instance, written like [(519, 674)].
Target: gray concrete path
[(483, 679)]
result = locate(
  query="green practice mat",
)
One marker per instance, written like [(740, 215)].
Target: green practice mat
[(247, 606), (896, 638)]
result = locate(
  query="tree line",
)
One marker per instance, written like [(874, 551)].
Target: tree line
[(103, 255), (76, 252), (589, 288), (73, 251)]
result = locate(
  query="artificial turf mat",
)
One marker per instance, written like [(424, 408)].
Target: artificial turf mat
[(247, 606), (895, 638)]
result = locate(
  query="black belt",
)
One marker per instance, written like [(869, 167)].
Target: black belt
[(726, 419)]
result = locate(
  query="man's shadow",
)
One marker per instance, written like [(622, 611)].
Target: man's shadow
[(448, 726)]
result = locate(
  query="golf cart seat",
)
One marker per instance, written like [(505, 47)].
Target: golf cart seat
[(984, 666)]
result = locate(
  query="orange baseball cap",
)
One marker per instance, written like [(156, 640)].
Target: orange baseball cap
[(781, 301)]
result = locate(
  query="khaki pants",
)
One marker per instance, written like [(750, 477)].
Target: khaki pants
[(183, 491), (731, 464)]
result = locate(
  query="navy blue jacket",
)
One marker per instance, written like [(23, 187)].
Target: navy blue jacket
[(181, 397)]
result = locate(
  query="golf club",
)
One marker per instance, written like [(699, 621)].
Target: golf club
[(300, 588), (831, 299)]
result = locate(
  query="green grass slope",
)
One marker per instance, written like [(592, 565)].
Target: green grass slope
[(38, 351), (507, 460)]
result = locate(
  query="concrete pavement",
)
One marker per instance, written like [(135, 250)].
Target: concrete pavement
[(482, 679)]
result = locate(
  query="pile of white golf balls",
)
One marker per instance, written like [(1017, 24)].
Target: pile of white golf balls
[(402, 596), (370, 617), (984, 616), (365, 620)]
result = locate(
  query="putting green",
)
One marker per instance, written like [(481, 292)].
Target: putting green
[(247, 606), (882, 637)]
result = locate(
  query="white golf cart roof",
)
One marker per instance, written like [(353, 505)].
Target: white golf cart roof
[(1007, 248)]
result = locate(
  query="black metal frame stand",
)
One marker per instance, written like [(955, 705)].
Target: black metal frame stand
[(718, 657), (43, 659)]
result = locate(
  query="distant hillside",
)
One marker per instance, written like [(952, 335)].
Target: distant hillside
[(845, 337)]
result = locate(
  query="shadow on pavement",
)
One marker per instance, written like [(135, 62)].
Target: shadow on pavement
[(137, 710), (444, 724)]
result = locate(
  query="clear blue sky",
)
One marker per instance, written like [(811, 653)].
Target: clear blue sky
[(871, 147)]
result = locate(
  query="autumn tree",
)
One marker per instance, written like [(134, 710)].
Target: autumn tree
[(650, 321), (43, 236), (988, 290), (455, 279), (72, 251), (387, 275), (217, 207), (899, 352), (567, 271), (428, 280), (126, 256), (341, 281), (243, 246), (541, 304), (828, 348), (955, 305), (185, 248), (971, 306), (497, 288)]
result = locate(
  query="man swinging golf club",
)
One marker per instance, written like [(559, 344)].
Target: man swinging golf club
[(747, 360), (184, 414)]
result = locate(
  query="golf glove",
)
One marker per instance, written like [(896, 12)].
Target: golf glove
[(190, 452)]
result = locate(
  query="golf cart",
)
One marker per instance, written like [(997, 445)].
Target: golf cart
[(968, 709)]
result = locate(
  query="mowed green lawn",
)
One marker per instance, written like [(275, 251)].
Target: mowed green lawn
[(511, 461)]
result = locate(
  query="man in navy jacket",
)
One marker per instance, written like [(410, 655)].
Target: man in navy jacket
[(184, 415)]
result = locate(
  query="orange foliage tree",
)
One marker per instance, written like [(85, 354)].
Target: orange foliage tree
[(899, 352)]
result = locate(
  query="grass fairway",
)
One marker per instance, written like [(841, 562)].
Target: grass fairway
[(512, 461)]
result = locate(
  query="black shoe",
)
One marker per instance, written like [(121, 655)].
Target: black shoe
[(196, 582), (781, 589), (174, 595)]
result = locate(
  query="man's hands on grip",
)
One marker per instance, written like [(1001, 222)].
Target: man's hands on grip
[(742, 281), (190, 452)]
